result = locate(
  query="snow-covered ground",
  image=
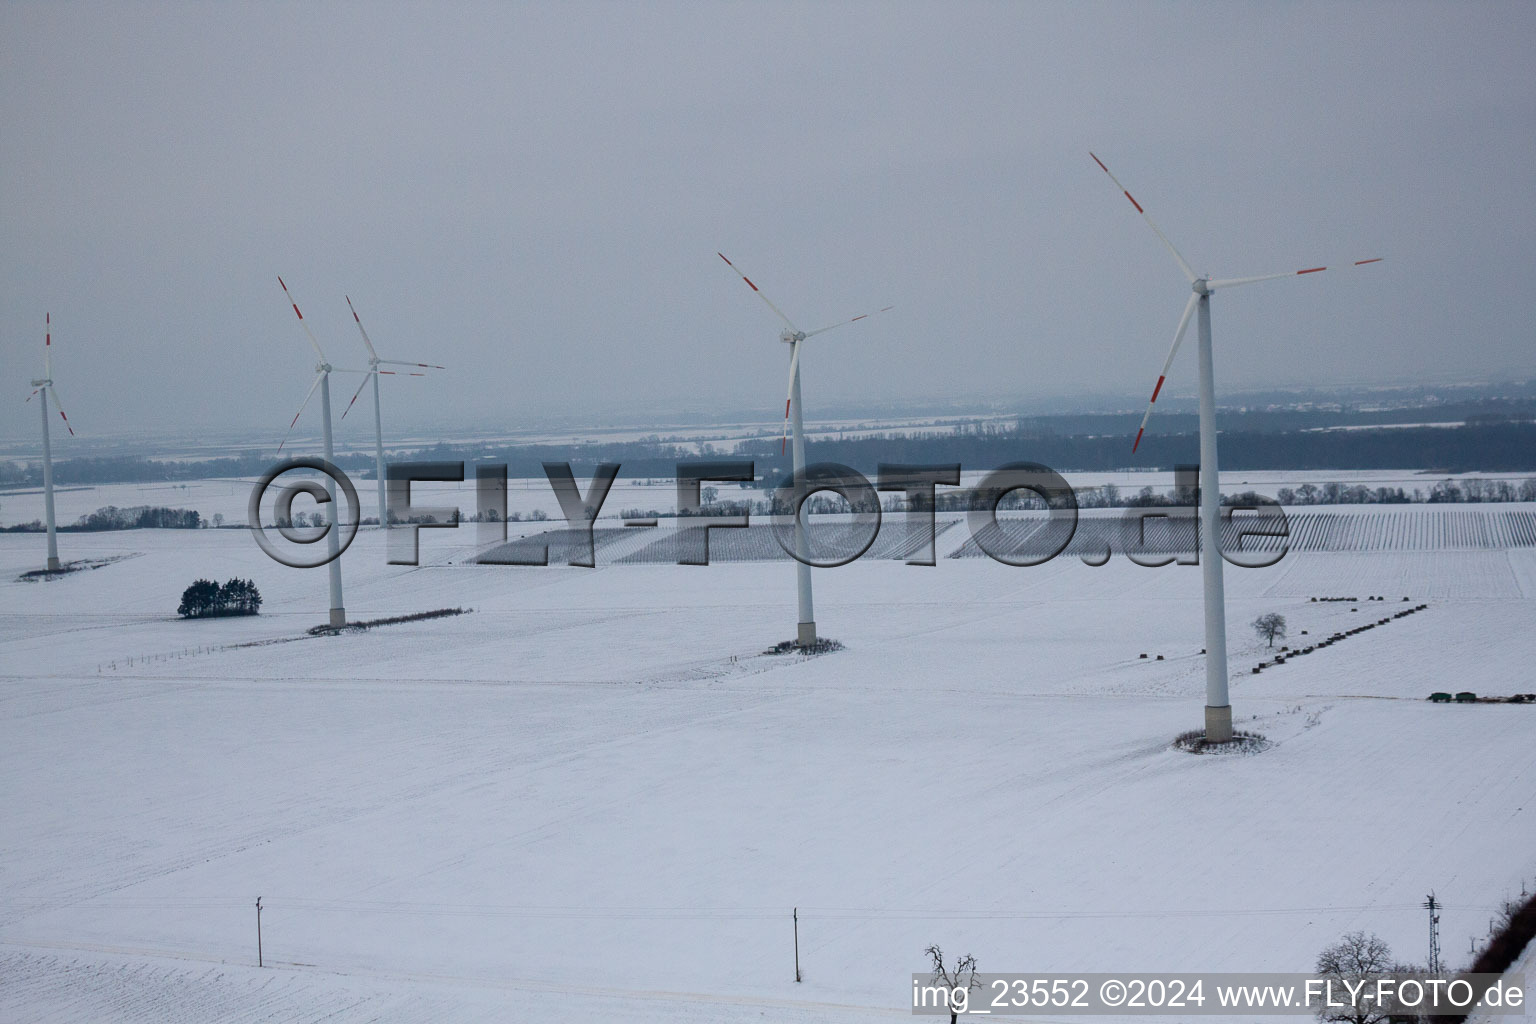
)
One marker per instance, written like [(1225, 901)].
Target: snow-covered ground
[(593, 798)]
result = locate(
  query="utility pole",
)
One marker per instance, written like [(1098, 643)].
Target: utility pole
[(1433, 906), (797, 944), (258, 933)]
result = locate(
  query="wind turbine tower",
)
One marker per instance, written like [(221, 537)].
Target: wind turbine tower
[(375, 365), (805, 632), (43, 388), (1218, 708), (323, 370)]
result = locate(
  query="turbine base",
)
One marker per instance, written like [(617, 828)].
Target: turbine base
[(1218, 724), (805, 636), (53, 564), (338, 618)]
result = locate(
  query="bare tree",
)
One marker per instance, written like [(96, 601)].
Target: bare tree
[(1269, 626), (1354, 959), (959, 978)]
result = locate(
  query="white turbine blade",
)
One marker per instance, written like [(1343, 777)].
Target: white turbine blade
[(302, 322), (355, 394), (1178, 336), (48, 346), (1233, 282), (841, 323), (1183, 264), (308, 395), (760, 294), (794, 366), (371, 353), (375, 356), (60, 405)]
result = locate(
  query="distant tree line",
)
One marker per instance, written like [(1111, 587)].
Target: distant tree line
[(1498, 447), (1488, 445), (1474, 489), (120, 469), (140, 517), (207, 599)]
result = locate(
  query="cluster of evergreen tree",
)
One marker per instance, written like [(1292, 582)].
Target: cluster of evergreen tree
[(205, 599)]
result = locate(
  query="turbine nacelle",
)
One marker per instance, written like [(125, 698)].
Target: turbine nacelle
[(790, 337)]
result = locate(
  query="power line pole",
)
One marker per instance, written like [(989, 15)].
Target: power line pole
[(1433, 906), (797, 944), (258, 933)]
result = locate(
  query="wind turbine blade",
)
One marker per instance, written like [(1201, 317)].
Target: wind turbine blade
[(841, 323), (308, 395), (760, 294), (794, 367), (371, 353), (34, 394), (302, 322), (48, 346), (1183, 264), (1233, 282), (1178, 336), (55, 393), (355, 394), (374, 356)]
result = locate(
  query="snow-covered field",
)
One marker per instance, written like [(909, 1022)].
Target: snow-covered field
[(593, 798)]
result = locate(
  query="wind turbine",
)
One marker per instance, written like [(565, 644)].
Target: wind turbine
[(323, 371), (44, 387), (374, 362), (805, 634), (1218, 709)]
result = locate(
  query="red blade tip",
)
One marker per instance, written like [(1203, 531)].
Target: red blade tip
[(1138, 441), (1157, 389)]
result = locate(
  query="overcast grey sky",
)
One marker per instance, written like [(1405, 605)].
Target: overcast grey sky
[(533, 194)]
